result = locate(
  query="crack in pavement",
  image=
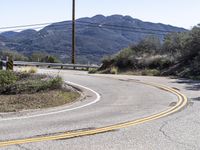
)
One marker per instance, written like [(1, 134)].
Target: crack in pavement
[(35, 147), (22, 147), (196, 122), (161, 129)]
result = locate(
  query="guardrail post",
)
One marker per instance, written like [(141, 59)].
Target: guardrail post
[(9, 64), (1, 65)]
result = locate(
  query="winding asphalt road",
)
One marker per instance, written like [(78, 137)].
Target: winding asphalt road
[(121, 105)]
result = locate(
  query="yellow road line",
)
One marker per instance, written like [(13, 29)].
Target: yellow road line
[(182, 101)]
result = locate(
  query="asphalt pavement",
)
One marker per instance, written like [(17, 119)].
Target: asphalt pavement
[(122, 99)]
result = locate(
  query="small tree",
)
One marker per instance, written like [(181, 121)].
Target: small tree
[(13, 55), (43, 57)]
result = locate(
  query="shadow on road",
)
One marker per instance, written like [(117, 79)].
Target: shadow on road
[(193, 85), (196, 99)]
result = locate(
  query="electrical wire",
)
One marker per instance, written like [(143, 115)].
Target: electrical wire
[(89, 24), (29, 25), (127, 27), (80, 24)]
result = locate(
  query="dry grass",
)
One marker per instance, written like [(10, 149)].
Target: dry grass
[(144, 72), (53, 98), (31, 70), (114, 70)]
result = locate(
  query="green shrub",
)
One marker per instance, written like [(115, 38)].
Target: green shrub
[(92, 70), (31, 84), (7, 77), (17, 56), (197, 77), (56, 83), (156, 62), (24, 76), (150, 72)]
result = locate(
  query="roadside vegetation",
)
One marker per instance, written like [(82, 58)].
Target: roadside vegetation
[(22, 90), (43, 57), (34, 57), (29, 69), (177, 55), (13, 54)]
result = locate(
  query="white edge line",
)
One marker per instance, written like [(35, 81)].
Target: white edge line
[(57, 112)]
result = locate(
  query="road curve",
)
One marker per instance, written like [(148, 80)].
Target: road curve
[(124, 103)]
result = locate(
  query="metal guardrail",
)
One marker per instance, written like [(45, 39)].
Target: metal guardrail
[(3, 65), (39, 64)]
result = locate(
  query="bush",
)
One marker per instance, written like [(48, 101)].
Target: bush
[(150, 72), (24, 83), (114, 70), (156, 62), (92, 70), (106, 63), (23, 76), (44, 57), (55, 83), (7, 77)]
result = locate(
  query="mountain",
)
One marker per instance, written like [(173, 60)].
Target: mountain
[(9, 34), (95, 37)]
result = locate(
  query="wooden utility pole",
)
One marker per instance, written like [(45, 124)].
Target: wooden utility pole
[(73, 33)]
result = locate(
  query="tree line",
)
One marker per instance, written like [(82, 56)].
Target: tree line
[(34, 57)]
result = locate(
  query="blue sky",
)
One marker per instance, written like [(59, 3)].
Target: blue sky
[(183, 13)]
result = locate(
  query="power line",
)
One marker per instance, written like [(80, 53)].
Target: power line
[(23, 29), (95, 26), (128, 30), (127, 27), (58, 52), (80, 24), (29, 25), (90, 24), (113, 27)]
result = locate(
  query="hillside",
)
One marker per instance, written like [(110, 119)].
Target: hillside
[(178, 55), (96, 37)]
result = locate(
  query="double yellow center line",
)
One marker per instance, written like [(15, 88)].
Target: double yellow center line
[(182, 101)]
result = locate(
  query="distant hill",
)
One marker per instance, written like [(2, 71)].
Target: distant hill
[(95, 37), (9, 34)]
